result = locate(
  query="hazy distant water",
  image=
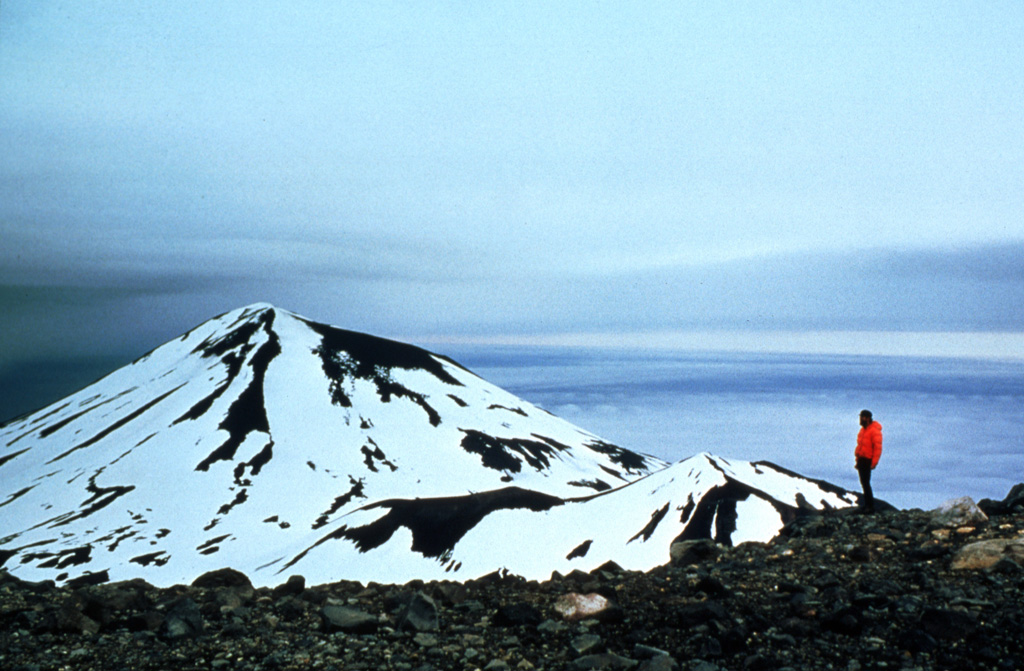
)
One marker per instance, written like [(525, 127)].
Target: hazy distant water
[(953, 427)]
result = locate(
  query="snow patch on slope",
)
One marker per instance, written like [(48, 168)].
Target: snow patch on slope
[(266, 442)]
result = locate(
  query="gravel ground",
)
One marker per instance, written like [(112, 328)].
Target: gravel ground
[(835, 591)]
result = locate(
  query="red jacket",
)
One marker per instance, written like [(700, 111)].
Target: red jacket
[(869, 443)]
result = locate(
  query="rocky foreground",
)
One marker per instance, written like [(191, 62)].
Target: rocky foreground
[(894, 590)]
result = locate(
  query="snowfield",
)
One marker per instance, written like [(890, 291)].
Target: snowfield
[(277, 446)]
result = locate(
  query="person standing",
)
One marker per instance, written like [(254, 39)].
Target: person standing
[(867, 454)]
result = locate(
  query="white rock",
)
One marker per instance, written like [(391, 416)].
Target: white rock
[(959, 512)]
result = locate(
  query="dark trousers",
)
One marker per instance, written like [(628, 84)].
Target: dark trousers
[(864, 470)]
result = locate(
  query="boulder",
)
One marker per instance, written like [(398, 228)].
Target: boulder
[(108, 602), (350, 620), (230, 588), (958, 513), (294, 586), (225, 577), (986, 554), (686, 553), (417, 612), (1014, 501), (183, 620), (575, 606), (70, 617), (451, 593)]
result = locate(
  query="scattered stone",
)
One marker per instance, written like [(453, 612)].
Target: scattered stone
[(294, 586), (659, 663), (860, 553), (225, 577), (986, 554), (607, 660), (947, 623), (70, 618), (425, 640), (349, 620), (843, 621), (574, 607), (290, 608), (700, 613), (798, 602), (687, 553), (451, 593), (756, 662), (586, 644), (807, 526), (418, 613), (1007, 566), (958, 513), (712, 586), (703, 665), (183, 620), (517, 614), (642, 651), (1013, 503), (928, 550), (552, 627)]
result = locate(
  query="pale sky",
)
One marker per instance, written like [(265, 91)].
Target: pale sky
[(496, 170)]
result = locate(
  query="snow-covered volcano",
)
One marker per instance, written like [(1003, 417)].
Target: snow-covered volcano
[(275, 445)]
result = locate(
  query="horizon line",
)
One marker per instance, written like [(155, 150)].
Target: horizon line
[(995, 345)]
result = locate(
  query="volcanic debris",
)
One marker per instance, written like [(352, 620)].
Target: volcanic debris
[(837, 590)]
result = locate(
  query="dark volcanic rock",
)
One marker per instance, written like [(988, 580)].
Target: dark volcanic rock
[(417, 612), (294, 586), (517, 614), (947, 623), (71, 618), (351, 620), (225, 577), (698, 551), (1013, 503), (183, 620), (607, 660), (839, 591), (659, 663)]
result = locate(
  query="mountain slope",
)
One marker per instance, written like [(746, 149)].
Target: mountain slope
[(533, 534), (273, 444)]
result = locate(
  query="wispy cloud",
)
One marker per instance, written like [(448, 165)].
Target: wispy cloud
[(437, 170)]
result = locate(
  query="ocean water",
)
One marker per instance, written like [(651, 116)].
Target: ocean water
[(952, 427)]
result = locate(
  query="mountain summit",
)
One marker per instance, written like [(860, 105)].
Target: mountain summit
[(275, 445)]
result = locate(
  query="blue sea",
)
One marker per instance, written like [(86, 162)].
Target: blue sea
[(952, 427)]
